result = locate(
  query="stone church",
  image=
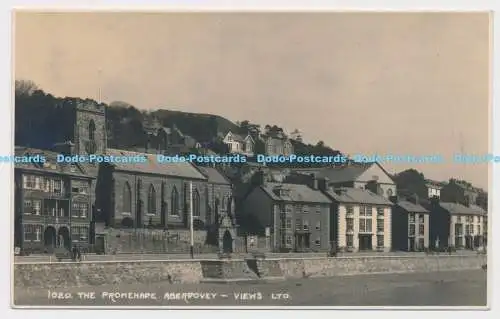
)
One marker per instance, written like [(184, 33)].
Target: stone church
[(151, 194)]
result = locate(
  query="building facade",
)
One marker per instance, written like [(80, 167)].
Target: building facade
[(52, 204), (239, 144), (363, 220), (298, 216), (410, 225), (456, 225)]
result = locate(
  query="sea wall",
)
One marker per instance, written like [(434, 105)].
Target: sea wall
[(85, 274)]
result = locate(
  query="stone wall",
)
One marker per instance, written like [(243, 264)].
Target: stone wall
[(52, 275)]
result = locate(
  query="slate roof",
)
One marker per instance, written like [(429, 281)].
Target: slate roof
[(298, 193), (152, 166), (344, 174), (214, 176), (358, 196), (459, 209), (51, 165), (411, 207)]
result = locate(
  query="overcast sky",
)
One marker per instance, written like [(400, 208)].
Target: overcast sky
[(362, 82)]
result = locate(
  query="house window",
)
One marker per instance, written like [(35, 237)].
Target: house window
[(459, 219), (28, 182), (380, 227), (368, 211), (318, 225), (317, 242), (298, 208), (298, 224), (421, 218), (380, 241), (288, 209), (288, 240), (412, 218), (32, 233), (479, 229), (380, 212), (467, 230), (349, 210), (80, 210), (349, 241), (75, 190), (79, 234), (305, 224), (318, 209), (306, 209), (288, 224), (411, 230), (349, 224), (421, 229), (365, 225)]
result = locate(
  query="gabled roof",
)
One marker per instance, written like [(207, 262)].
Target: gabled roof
[(235, 136), (347, 173), (214, 176), (298, 193), (358, 196), (411, 207), (459, 209), (51, 165), (152, 166)]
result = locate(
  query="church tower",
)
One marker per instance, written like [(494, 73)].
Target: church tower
[(90, 128)]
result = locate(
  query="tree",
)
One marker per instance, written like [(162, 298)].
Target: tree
[(411, 182), (25, 88)]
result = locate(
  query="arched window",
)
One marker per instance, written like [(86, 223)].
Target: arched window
[(152, 200), (196, 203), (91, 130), (127, 198), (224, 204), (174, 202)]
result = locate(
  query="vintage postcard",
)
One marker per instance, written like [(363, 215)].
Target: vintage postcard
[(252, 159)]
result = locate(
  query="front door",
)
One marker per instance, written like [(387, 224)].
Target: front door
[(411, 244), (365, 242)]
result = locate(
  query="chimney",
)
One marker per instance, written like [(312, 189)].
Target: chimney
[(323, 184), (394, 199), (259, 178), (340, 190), (414, 199), (313, 181), (66, 148)]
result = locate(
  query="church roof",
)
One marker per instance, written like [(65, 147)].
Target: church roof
[(152, 166)]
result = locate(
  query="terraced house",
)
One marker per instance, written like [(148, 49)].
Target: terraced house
[(410, 225), (457, 225), (363, 219), (52, 204), (297, 215)]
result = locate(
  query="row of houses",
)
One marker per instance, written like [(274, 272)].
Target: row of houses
[(310, 212), (354, 207)]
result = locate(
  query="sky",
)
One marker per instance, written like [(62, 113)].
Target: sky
[(385, 83)]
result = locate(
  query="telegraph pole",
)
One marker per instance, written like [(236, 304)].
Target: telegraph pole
[(191, 229)]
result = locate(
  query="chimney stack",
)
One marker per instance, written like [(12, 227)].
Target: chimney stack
[(323, 184), (313, 181), (394, 199)]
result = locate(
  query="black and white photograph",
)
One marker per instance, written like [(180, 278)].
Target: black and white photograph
[(176, 159)]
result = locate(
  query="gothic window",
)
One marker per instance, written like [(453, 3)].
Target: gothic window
[(152, 200), (127, 198), (196, 203), (174, 202), (92, 130)]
